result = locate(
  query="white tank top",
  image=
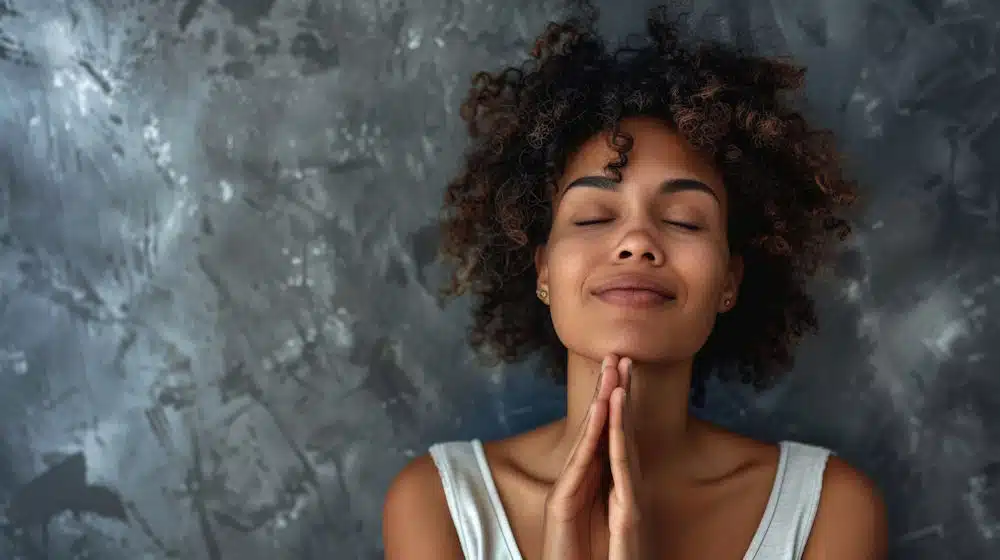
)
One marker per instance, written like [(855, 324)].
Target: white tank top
[(485, 533)]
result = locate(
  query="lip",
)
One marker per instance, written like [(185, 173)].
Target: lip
[(634, 290)]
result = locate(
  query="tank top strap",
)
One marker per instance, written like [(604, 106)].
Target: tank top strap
[(476, 511), (790, 512)]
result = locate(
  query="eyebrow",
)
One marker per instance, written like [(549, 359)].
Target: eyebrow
[(668, 186)]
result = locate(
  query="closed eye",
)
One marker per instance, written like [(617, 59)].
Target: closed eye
[(684, 225)]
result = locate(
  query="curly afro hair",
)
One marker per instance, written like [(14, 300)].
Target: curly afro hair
[(783, 179)]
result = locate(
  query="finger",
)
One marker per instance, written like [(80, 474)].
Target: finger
[(599, 394), (568, 492), (590, 438), (608, 381), (609, 378), (619, 455), (622, 369), (626, 371), (586, 446)]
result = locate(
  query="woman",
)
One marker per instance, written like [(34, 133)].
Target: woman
[(613, 207)]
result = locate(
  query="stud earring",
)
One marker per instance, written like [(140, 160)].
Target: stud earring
[(542, 295), (727, 302)]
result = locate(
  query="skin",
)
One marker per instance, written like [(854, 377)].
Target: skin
[(697, 481)]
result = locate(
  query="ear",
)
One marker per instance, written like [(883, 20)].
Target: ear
[(542, 266), (734, 276)]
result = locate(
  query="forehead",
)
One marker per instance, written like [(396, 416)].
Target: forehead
[(658, 153)]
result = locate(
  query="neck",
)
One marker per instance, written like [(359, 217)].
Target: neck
[(660, 397)]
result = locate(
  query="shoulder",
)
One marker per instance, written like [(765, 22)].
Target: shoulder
[(416, 522), (850, 521)]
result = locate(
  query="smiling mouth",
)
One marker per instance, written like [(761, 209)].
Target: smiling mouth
[(634, 297)]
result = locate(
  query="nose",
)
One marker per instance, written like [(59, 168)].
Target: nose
[(638, 245)]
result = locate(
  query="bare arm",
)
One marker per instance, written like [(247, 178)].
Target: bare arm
[(851, 521), (416, 523)]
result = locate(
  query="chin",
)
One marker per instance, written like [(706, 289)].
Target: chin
[(635, 348)]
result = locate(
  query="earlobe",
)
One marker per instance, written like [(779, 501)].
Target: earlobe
[(543, 294)]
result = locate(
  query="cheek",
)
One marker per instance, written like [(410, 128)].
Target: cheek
[(704, 271), (567, 267)]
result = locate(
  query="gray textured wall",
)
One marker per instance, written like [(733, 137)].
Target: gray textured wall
[(216, 295)]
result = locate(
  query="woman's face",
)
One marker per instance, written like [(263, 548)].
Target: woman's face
[(639, 268)]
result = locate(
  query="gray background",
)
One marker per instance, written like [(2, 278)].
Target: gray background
[(217, 295)]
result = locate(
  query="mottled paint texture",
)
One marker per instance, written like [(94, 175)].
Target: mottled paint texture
[(219, 332)]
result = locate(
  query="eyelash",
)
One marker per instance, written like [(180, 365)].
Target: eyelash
[(689, 227)]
